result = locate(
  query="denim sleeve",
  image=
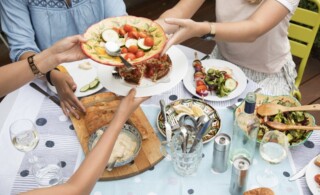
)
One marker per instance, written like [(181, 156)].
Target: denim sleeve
[(114, 8), (16, 24)]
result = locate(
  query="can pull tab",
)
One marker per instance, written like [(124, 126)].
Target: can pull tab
[(241, 165), (222, 140)]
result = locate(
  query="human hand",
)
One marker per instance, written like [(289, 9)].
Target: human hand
[(65, 87), (187, 29), (68, 49), (130, 103)]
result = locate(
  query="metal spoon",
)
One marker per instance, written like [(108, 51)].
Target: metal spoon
[(184, 133), (113, 49), (111, 165), (201, 120)]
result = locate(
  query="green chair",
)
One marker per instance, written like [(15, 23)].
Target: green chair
[(303, 28)]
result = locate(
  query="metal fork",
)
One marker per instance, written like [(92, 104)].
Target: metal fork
[(173, 121), (128, 65), (116, 74)]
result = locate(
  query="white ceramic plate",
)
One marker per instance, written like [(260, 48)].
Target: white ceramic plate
[(81, 77), (147, 87), (238, 75), (311, 171)]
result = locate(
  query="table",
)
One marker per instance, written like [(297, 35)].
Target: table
[(160, 179)]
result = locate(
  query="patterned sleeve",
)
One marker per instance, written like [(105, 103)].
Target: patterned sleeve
[(16, 24), (291, 5)]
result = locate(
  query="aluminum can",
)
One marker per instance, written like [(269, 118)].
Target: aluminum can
[(239, 175), (221, 148)]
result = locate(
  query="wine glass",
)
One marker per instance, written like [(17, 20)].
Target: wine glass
[(273, 148), (24, 136)]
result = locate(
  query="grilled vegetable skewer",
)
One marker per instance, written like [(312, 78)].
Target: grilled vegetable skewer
[(199, 75)]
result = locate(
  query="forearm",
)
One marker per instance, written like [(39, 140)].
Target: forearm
[(22, 73), (183, 9), (95, 162)]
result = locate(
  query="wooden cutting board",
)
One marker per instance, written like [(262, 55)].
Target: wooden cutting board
[(149, 154)]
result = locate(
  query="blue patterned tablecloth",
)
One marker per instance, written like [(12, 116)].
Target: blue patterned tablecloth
[(58, 138), (161, 179)]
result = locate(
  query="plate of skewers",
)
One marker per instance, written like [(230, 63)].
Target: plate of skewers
[(215, 80)]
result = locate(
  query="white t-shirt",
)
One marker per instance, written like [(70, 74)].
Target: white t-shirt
[(269, 52)]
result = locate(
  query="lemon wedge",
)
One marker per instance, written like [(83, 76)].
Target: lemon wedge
[(197, 111), (183, 109)]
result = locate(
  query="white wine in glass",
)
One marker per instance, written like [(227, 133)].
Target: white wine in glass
[(273, 149), (24, 136)]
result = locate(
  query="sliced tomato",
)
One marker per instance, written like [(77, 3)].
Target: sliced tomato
[(139, 53), (200, 82), (133, 34), (227, 76), (127, 27), (130, 56), (133, 49), (201, 88), (317, 179), (124, 50), (148, 41)]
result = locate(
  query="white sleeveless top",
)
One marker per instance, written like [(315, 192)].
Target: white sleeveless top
[(267, 53)]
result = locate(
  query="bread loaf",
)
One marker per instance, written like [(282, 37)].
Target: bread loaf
[(259, 191)]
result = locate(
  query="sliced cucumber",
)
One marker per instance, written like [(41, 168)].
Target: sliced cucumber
[(110, 35), (142, 46), (231, 84), (85, 88), (93, 84), (130, 42)]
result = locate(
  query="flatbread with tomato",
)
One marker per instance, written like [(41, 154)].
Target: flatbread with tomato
[(138, 39)]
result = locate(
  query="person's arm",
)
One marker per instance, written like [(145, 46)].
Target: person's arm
[(247, 30), (84, 179), (15, 75), (183, 9), (16, 24)]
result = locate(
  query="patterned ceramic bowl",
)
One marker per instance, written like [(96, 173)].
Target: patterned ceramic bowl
[(130, 133)]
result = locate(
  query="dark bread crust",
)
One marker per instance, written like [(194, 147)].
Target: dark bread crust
[(259, 191)]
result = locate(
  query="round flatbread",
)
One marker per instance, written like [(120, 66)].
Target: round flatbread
[(98, 34)]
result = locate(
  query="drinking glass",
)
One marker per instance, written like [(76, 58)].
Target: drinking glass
[(274, 149), (184, 163), (24, 136), (47, 171)]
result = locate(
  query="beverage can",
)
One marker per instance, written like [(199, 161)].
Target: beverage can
[(221, 147), (239, 173)]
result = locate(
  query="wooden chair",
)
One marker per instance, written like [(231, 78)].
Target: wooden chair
[(303, 28)]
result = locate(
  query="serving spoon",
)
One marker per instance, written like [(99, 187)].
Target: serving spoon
[(285, 127), (273, 109)]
